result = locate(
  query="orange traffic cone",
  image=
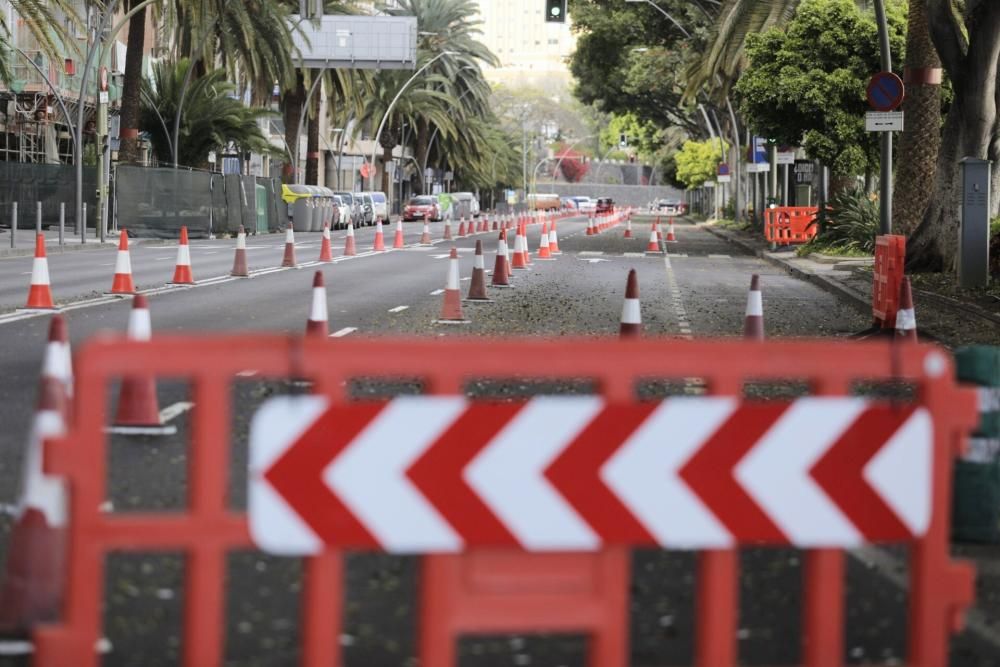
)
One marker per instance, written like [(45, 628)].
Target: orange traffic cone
[(501, 267), (447, 230), (122, 283), (399, 241), (32, 586), (477, 288), (654, 245), (461, 228), (628, 228), (753, 325), (518, 262), (425, 237), (138, 407), (325, 250), (289, 257), (40, 290), (670, 232), (494, 223), (379, 245), (554, 239), (58, 358), (590, 226), (543, 243), (631, 322), (906, 315), (451, 307), (182, 270), (350, 249), (318, 322), (240, 259)]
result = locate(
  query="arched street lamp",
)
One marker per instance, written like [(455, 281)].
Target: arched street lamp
[(388, 111)]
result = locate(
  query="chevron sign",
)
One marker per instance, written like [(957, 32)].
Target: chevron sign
[(438, 474)]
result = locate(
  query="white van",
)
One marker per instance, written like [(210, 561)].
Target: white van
[(380, 205), (465, 204)]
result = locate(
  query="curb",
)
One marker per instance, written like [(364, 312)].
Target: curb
[(838, 289), (52, 247)]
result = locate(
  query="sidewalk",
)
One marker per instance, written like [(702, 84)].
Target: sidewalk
[(25, 242), (945, 318)]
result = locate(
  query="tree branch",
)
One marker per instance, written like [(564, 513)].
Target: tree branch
[(948, 38)]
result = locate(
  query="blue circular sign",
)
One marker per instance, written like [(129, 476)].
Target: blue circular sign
[(886, 91)]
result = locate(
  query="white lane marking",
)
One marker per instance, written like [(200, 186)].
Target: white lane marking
[(111, 264), (398, 309), (465, 278), (441, 256), (437, 291), (174, 411), (591, 252), (678, 304), (343, 332), (719, 257), (212, 252), (634, 254), (161, 259)]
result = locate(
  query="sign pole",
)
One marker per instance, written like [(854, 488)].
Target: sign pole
[(885, 172)]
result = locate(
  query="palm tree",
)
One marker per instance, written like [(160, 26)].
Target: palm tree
[(213, 118), (251, 40), (41, 18)]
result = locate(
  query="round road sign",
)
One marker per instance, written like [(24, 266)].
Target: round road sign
[(885, 91)]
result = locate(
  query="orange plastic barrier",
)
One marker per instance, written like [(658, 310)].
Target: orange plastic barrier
[(786, 225), (890, 260), (483, 590)]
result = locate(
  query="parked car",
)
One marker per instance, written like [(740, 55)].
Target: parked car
[(585, 204), (420, 206), (604, 205), (368, 208), (343, 211), (381, 204), (354, 202), (465, 203), (670, 206)]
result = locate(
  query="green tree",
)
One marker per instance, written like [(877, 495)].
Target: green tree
[(212, 120), (42, 19), (805, 85), (698, 161)]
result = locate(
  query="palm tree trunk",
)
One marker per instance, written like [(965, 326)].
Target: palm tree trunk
[(386, 159), (920, 142), (291, 109), (312, 143), (131, 85)]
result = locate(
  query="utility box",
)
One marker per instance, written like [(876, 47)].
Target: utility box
[(974, 224)]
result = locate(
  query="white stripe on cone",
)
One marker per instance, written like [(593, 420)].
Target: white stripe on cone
[(40, 271), (906, 319), (318, 311), (42, 492), (139, 325), (241, 241), (184, 255), (631, 312), (289, 235), (477, 262), (452, 283), (123, 264), (755, 304)]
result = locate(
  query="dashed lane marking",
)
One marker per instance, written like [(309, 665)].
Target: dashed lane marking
[(398, 309), (719, 257), (343, 332), (174, 411), (437, 292), (678, 304), (591, 252)]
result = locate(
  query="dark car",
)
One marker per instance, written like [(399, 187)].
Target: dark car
[(605, 205), (421, 206)]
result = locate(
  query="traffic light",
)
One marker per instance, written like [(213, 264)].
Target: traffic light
[(555, 11), (622, 140)]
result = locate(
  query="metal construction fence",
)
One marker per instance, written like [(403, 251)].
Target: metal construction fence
[(51, 184), (156, 202)]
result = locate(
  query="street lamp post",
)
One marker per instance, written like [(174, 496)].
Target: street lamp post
[(388, 110)]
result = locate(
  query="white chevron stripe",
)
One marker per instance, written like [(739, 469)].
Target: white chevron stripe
[(901, 471), (274, 525), (508, 474), (776, 471), (370, 475), (643, 472)]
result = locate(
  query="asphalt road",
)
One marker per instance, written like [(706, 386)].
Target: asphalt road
[(700, 291)]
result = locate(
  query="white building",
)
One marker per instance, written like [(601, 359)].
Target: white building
[(531, 50)]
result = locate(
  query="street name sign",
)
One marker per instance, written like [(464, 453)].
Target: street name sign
[(884, 121), (442, 474)]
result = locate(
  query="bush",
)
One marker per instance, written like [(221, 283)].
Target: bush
[(852, 222)]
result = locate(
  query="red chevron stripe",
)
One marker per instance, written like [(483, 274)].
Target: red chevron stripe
[(438, 473), (576, 474), (840, 472), (297, 475), (710, 473)]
